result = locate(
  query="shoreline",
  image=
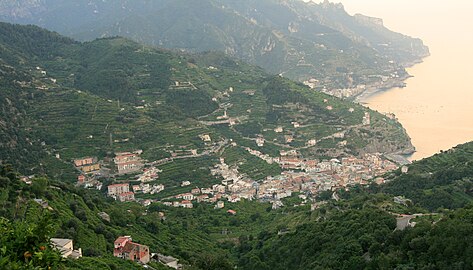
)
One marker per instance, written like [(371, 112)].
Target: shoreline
[(389, 85), (403, 157), (374, 90)]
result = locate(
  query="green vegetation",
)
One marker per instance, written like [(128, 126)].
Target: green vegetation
[(96, 98), (47, 111), (120, 73), (197, 171), (357, 232), (252, 166), (364, 239), (25, 245), (297, 39), (441, 181)]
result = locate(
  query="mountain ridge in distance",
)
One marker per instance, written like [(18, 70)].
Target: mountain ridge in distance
[(299, 40), (70, 98)]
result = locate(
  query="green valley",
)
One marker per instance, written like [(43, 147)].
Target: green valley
[(358, 231), (137, 97)]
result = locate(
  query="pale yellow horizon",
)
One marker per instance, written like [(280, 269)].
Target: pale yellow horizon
[(430, 20), (436, 108)]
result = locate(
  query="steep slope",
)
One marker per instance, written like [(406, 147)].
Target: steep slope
[(76, 99), (74, 214), (359, 232), (108, 95), (299, 40), (367, 30), (366, 239), (441, 181), (19, 145)]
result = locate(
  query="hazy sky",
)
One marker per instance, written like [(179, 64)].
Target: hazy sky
[(436, 107), (431, 20)]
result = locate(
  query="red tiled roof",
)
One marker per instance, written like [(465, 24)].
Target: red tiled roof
[(129, 247), (121, 239), (117, 185)]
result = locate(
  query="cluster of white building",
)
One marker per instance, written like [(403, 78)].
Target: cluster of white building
[(147, 188), (149, 175), (306, 176), (121, 192), (128, 162)]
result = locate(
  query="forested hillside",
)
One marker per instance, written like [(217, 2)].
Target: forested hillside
[(299, 40), (188, 114), (359, 232), (442, 181), (68, 99)]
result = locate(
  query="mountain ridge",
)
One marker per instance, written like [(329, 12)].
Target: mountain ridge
[(296, 39), (74, 104)]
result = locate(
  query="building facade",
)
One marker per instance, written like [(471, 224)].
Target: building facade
[(126, 249)]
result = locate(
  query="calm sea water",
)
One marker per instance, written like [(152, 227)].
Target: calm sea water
[(436, 107)]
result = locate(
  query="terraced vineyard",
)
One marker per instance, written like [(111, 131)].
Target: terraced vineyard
[(138, 97), (441, 181), (195, 170), (249, 165)]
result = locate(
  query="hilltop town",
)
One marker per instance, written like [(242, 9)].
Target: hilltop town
[(303, 177), (298, 173)]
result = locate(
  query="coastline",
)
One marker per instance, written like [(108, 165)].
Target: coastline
[(376, 89), (388, 85), (401, 157)]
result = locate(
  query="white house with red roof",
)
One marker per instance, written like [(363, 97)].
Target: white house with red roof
[(126, 249)]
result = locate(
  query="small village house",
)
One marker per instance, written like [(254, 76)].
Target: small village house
[(126, 197), (66, 247), (84, 161), (128, 162), (118, 189), (126, 249)]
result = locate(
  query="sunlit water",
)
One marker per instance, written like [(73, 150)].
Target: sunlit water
[(436, 107)]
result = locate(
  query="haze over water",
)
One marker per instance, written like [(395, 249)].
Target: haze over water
[(436, 107)]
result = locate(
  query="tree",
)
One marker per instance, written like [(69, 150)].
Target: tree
[(39, 186), (26, 245)]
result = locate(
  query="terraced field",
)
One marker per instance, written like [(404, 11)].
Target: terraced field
[(195, 170), (112, 94), (252, 166)]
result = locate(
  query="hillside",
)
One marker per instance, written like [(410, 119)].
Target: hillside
[(68, 105), (305, 176), (57, 101), (300, 40), (359, 232), (441, 181)]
